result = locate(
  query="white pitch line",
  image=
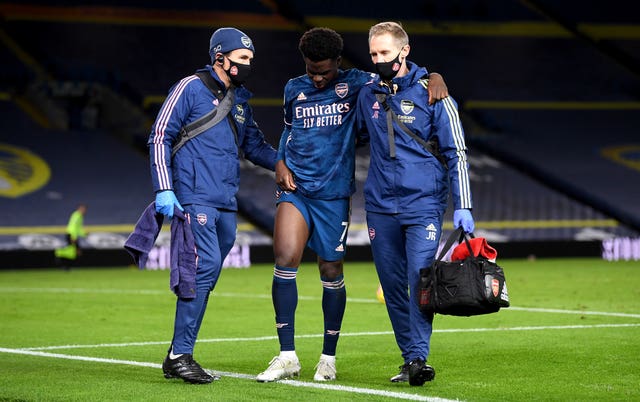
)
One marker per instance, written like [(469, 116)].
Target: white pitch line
[(266, 296), (581, 312), (346, 334), (84, 290), (368, 391), (305, 384), (539, 328), (158, 292)]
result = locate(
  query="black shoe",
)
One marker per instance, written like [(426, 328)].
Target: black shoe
[(186, 368), (403, 375), (419, 373)]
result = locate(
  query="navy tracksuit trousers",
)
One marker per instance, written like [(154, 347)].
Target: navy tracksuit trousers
[(214, 232), (402, 244)]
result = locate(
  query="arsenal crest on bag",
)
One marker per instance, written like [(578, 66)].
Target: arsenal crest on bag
[(473, 284)]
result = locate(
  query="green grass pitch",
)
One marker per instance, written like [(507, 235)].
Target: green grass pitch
[(100, 334)]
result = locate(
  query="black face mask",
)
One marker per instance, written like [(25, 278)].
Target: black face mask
[(238, 73), (388, 69)]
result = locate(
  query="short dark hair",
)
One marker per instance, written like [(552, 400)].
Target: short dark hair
[(319, 44)]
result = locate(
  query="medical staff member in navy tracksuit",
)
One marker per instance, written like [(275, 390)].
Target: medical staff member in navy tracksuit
[(407, 187), (202, 179)]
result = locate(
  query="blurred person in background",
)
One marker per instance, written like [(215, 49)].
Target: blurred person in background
[(75, 230), (418, 155)]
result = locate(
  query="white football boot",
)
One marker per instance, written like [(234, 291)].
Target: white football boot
[(325, 369), (279, 369)]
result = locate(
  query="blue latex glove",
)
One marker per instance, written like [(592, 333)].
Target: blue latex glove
[(462, 217), (165, 200)]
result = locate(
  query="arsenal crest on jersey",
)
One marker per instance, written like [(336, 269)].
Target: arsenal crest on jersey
[(406, 106), (239, 115), (342, 89), (202, 219)]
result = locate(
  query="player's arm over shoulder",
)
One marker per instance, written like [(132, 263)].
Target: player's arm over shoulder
[(436, 86)]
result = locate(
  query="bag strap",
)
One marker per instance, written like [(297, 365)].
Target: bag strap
[(382, 99), (457, 234), (460, 235), (466, 237), (214, 87), (431, 146), (212, 118)]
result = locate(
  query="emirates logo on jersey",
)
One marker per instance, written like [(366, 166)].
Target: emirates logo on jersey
[(342, 89)]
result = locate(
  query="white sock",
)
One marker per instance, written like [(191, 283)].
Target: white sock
[(289, 354), (327, 358)]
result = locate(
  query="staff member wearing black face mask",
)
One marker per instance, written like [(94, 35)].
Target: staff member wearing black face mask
[(418, 158), (200, 177)]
